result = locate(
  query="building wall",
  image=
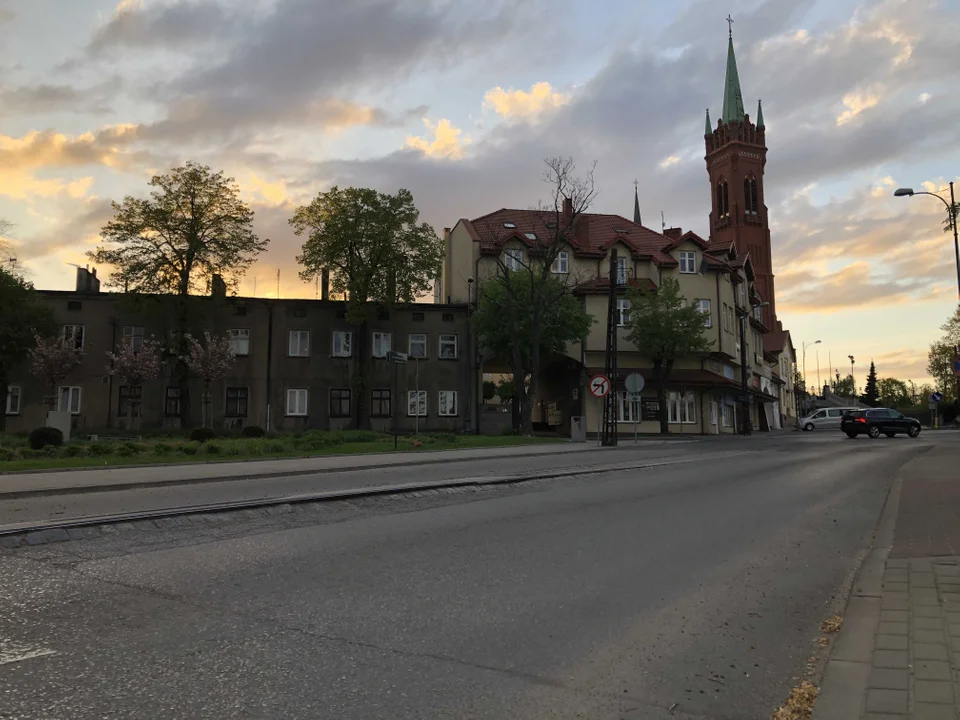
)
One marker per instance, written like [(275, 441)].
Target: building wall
[(268, 370)]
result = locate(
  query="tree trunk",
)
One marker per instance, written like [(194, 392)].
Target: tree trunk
[(660, 377)]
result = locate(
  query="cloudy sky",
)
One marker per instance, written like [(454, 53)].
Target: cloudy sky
[(460, 101)]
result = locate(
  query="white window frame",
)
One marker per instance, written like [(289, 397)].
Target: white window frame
[(417, 401), (513, 258), (628, 411), (623, 312), (298, 343), (419, 340), (341, 344), (703, 306), (74, 393), (132, 337), (298, 396), (714, 413), (726, 414), (561, 264), (742, 293), (443, 403), (682, 409), (70, 332), (9, 406), (688, 262), (382, 344), (239, 341), (621, 271), (448, 339)]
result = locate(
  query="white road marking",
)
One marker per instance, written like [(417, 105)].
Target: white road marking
[(11, 652)]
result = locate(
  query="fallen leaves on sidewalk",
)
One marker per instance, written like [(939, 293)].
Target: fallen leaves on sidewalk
[(799, 706), (831, 624)]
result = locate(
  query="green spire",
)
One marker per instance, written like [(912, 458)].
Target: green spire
[(759, 113), (708, 130), (732, 97)]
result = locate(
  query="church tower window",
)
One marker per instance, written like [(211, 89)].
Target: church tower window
[(723, 199), (750, 199)]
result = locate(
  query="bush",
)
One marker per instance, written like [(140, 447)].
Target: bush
[(211, 448), (252, 431), (274, 446), (128, 449), (202, 434), (31, 454), (162, 448), (190, 448), (43, 436), (442, 437), (50, 451), (355, 436), (99, 449), (8, 454), (75, 450), (510, 431)]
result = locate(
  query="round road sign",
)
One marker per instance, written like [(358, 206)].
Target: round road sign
[(936, 397), (634, 382), (599, 385)]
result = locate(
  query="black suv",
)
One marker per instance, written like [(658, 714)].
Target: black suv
[(875, 421)]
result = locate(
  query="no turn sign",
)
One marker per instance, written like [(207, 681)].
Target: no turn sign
[(599, 385)]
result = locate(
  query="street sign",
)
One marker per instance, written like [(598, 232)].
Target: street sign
[(936, 397), (599, 386), (397, 357), (956, 366), (634, 382)]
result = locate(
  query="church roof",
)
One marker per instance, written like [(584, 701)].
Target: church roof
[(732, 97)]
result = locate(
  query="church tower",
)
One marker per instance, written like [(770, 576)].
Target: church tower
[(736, 156)]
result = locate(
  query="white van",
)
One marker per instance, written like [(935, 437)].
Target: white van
[(825, 418)]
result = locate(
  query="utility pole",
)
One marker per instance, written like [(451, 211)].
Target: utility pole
[(609, 433), (744, 393)]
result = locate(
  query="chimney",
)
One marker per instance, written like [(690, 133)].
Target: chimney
[(218, 288), (673, 233), (567, 215), (324, 284), (83, 281), (93, 281)]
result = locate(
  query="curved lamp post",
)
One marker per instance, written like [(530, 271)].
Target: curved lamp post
[(951, 213)]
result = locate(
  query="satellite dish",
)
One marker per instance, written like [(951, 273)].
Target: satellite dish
[(704, 265)]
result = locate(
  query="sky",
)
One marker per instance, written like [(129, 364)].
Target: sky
[(460, 102)]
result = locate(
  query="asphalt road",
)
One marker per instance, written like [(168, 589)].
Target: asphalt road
[(697, 586)]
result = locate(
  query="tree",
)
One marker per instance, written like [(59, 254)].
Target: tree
[(51, 360), (845, 386), (800, 392), (940, 357), (134, 367), (504, 324), (24, 317), (664, 326), (210, 361), (953, 212), (378, 254), (870, 392), (894, 393), (489, 390), (192, 230)]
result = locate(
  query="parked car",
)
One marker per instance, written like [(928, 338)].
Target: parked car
[(875, 421), (825, 418)]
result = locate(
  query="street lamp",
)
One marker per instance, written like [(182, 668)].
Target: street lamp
[(951, 213), (747, 421), (806, 384), (854, 388)]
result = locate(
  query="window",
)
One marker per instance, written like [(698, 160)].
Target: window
[(621, 271), (447, 403), (727, 415), (623, 312), (74, 334), (296, 401), (682, 408), (342, 343), (74, 305), (723, 199), (731, 322), (713, 412), (240, 310), (129, 394), (703, 306), (339, 403), (237, 402), (299, 345), (69, 399), (447, 317), (750, 199), (530, 236), (14, 393), (741, 294), (758, 313), (299, 312), (688, 262), (448, 347), (418, 317), (510, 225), (561, 264), (416, 403), (133, 336), (380, 405), (239, 341), (628, 411), (171, 402), (513, 258), (417, 345), (381, 344), (834, 413)]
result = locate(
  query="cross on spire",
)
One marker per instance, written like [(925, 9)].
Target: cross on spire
[(636, 185), (730, 24)]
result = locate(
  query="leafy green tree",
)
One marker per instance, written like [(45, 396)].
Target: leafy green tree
[(377, 252), (870, 392), (940, 357), (506, 326), (845, 386), (24, 317), (192, 231), (893, 393), (664, 327)]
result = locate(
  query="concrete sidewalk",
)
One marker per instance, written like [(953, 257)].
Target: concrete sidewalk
[(898, 656), (32, 483)]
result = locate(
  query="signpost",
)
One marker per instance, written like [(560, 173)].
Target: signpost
[(599, 387), (398, 359), (935, 398), (634, 384)]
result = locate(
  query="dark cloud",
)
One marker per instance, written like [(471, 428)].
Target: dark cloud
[(44, 97), (79, 221)]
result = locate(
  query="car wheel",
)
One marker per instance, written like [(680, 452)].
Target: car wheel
[(851, 435), (913, 431), (873, 431), (808, 427), (890, 434)]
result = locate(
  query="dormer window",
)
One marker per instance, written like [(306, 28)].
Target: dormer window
[(530, 236), (688, 262), (513, 258), (621, 271), (510, 226)]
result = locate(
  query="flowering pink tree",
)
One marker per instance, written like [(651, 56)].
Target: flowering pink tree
[(51, 361), (135, 367), (210, 360)]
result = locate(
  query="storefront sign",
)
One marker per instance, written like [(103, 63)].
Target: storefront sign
[(649, 409)]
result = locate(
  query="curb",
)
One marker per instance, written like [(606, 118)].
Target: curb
[(12, 536)]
